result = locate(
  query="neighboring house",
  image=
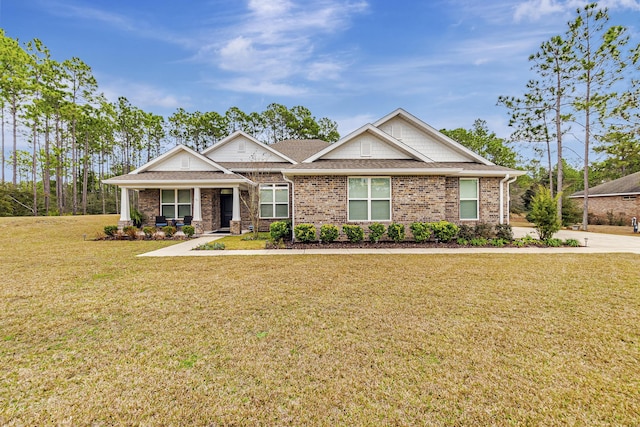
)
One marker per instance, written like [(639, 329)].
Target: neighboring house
[(398, 169), (620, 197)]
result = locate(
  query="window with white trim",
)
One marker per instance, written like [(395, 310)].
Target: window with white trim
[(274, 201), (369, 199), (175, 203), (469, 201)]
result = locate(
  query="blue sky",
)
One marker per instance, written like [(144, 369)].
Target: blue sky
[(445, 61)]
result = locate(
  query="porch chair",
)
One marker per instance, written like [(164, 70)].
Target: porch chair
[(187, 219), (161, 221)]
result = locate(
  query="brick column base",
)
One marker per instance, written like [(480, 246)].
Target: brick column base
[(235, 227), (123, 224), (198, 227)]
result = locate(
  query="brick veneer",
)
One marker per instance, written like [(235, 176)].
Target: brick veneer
[(600, 206)]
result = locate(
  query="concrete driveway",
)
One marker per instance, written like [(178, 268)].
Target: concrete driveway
[(591, 243)]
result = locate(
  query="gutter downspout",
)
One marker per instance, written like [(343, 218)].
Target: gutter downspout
[(506, 178), (512, 180), (293, 206)]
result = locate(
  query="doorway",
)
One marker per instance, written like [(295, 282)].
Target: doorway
[(226, 210)]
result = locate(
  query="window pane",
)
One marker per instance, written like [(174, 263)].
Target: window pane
[(380, 188), (468, 189), (184, 196), (169, 211), (168, 196), (266, 195), (468, 209), (282, 195), (358, 188), (358, 210), (380, 210), (282, 211), (184, 210), (266, 211)]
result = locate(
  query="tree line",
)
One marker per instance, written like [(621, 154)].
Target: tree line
[(76, 137)]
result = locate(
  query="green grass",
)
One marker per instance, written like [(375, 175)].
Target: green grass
[(91, 334), (242, 242)]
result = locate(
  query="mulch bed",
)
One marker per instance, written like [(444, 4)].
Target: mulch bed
[(387, 244)]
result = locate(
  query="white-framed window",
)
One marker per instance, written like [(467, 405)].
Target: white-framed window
[(369, 199), (175, 203), (469, 201), (274, 201)]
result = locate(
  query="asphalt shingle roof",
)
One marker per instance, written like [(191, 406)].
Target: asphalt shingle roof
[(300, 149), (629, 184), (176, 176)]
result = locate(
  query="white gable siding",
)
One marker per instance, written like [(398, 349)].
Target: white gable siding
[(354, 149), (241, 149), (420, 141), (182, 161)]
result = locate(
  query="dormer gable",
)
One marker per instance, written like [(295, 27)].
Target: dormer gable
[(242, 147), (368, 142), (420, 136), (180, 158)]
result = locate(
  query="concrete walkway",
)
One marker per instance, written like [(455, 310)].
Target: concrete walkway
[(591, 243)]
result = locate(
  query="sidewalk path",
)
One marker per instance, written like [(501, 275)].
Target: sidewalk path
[(595, 243)]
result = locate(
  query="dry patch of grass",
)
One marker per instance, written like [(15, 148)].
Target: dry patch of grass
[(90, 334)]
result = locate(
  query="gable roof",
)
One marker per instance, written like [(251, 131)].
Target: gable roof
[(300, 149), (209, 152), (173, 152), (433, 133), (627, 185), (380, 135)]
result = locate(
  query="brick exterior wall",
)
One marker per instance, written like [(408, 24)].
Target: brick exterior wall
[(601, 206), (149, 205)]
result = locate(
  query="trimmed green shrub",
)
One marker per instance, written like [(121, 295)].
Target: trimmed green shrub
[(483, 230), (110, 230), (572, 242), (554, 243), (169, 230), (504, 231), (444, 231), (421, 231), (305, 233), (376, 231), (189, 230), (148, 231), (280, 230), (355, 233), (396, 232), (328, 233)]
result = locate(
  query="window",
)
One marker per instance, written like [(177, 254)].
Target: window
[(274, 201), (628, 197), (369, 199), (175, 203), (469, 199)]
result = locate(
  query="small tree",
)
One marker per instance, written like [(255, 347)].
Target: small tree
[(544, 213)]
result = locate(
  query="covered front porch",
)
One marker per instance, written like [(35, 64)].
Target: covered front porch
[(212, 208)]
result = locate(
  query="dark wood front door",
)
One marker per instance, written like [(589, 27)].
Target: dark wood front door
[(226, 209)]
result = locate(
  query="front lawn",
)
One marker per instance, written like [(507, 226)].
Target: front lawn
[(90, 334)]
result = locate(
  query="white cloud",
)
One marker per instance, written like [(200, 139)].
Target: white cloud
[(141, 95), (535, 10), (263, 87)]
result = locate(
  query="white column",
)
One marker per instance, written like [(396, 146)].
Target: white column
[(197, 205), (236, 204), (125, 213)]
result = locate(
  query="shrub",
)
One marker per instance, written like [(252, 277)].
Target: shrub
[(444, 231), (210, 246), (110, 230), (463, 242), (131, 231), (169, 230), (305, 233), (498, 243), (554, 243), (328, 233), (478, 241), (572, 242), (280, 230), (148, 231), (466, 232), (188, 230), (544, 213), (376, 231), (483, 230), (504, 231), (396, 232), (355, 233), (421, 231)]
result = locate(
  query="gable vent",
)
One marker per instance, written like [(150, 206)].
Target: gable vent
[(365, 148), (242, 146), (185, 162)]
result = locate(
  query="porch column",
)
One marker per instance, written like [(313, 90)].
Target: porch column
[(235, 225), (197, 205), (125, 210)]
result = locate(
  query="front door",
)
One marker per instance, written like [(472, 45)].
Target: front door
[(226, 210)]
